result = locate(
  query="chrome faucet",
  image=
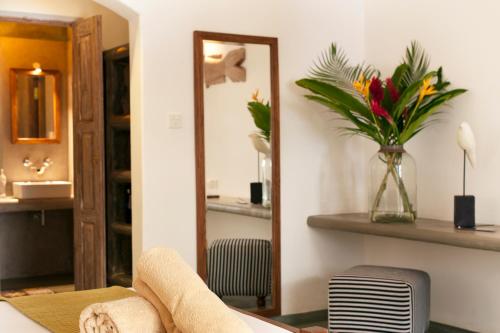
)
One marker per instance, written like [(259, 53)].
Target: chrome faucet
[(47, 162)]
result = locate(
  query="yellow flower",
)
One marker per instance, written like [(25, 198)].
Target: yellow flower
[(427, 89), (255, 96), (362, 86), (366, 90), (358, 85)]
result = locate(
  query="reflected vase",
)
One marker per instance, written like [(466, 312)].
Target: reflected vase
[(393, 186), (266, 174)]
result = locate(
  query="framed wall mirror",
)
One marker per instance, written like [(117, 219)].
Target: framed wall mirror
[(237, 127), (35, 105)]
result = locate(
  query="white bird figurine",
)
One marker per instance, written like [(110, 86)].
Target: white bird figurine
[(466, 141), (260, 145)]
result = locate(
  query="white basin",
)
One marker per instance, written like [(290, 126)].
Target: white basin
[(43, 189)]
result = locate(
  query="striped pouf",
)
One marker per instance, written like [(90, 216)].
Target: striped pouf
[(379, 300), (240, 267)]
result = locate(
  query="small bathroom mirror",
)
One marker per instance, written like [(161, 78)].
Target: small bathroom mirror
[(35, 105)]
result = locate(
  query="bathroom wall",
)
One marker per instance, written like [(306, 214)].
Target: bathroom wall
[(22, 53)]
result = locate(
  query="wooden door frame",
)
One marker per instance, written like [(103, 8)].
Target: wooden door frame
[(89, 222), (201, 230), (28, 20)]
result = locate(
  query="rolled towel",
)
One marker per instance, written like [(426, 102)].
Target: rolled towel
[(127, 315), (181, 297)]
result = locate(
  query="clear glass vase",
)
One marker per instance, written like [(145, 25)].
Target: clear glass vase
[(266, 173), (393, 186)]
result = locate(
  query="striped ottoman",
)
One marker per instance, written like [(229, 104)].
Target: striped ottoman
[(379, 299), (240, 267)]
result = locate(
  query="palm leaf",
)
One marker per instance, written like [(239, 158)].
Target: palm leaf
[(408, 94), (336, 95), (333, 67), (418, 64), (367, 128), (425, 112), (398, 73)]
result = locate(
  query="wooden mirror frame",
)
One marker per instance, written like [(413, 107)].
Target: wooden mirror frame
[(15, 112), (201, 230)]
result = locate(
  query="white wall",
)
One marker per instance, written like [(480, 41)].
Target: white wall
[(230, 157), (319, 168), (462, 36), (226, 225)]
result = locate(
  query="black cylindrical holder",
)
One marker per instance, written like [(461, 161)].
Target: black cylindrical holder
[(464, 216), (256, 193)]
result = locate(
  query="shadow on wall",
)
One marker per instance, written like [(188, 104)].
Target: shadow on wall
[(332, 252)]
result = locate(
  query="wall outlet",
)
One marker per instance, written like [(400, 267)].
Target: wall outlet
[(174, 120)]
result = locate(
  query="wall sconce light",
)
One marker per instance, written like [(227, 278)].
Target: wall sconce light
[(37, 69), (212, 51)]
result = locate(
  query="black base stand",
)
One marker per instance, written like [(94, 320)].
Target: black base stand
[(256, 193), (464, 217)]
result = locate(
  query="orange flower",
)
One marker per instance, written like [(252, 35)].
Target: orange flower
[(255, 97)]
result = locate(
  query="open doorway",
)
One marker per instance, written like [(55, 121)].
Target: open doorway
[(54, 249)]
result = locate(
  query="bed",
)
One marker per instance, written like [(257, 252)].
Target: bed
[(11, 320)]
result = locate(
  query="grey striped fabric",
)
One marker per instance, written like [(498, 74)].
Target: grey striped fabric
[(365, 302), (240, 267)]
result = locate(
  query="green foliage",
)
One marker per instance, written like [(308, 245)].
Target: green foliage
[(333, 67), (388, 112), (261, 114), (417, 63)]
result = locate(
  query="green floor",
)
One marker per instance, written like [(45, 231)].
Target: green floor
[(319, 318)]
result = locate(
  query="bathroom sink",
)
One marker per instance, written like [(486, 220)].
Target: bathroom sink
[(42, 189)]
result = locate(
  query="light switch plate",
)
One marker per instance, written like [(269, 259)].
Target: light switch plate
[(174, 120)]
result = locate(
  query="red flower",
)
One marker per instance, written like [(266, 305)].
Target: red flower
[(392, 90), (376, 90), (378, 110)]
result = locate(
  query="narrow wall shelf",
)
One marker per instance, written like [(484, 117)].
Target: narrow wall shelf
[(424, 230), (120, 121), (121, 176), (122, 228), (235, 206)]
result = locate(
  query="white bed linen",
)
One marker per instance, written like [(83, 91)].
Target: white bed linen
[(13, 321)]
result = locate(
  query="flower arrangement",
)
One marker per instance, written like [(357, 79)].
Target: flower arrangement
[(388, 111)]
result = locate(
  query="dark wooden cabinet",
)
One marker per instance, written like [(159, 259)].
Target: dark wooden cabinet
[(118, 179)]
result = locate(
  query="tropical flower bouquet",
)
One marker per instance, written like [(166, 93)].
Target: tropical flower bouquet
[(390, 112)]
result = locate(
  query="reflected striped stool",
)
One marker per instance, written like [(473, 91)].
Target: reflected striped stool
[(240, 267), (379, 299)]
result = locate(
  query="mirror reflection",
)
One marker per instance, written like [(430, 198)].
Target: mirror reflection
[(35, 105), (238, 164)]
